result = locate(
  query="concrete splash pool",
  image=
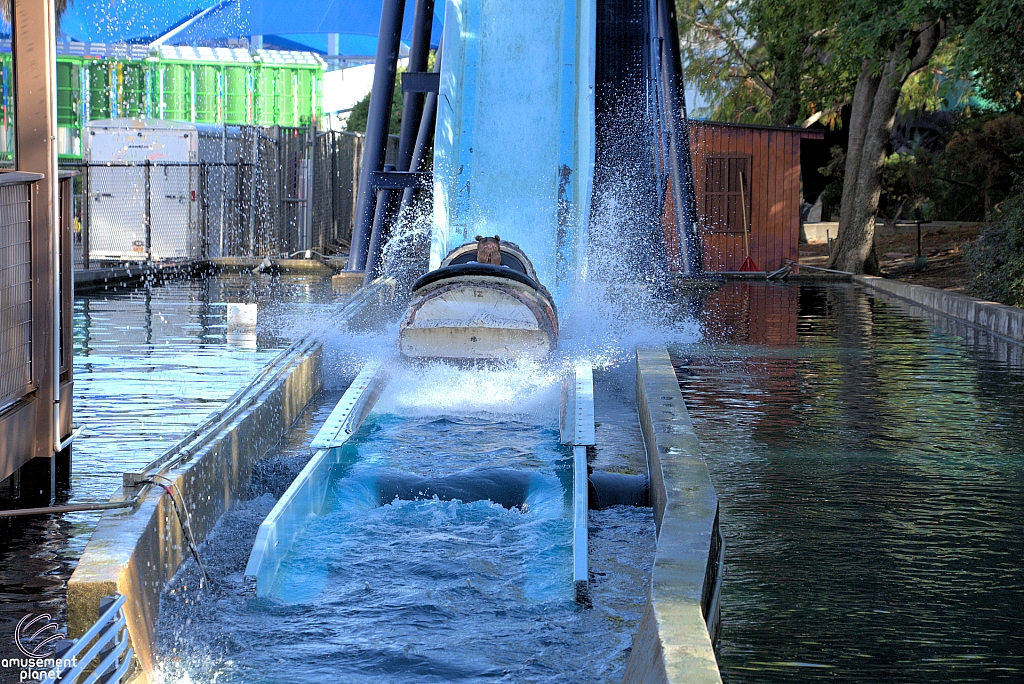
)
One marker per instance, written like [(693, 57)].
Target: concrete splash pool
[(425, 590), (150, 363)]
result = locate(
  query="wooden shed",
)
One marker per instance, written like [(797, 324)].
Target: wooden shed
[(759, 165)]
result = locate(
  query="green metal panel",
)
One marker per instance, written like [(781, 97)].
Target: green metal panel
[(208, 93), (68, 93), (286, 100), (99, 90), (7, 83), (177, 92), (306, 96), (265, 103), (236, 95), (131, 89)]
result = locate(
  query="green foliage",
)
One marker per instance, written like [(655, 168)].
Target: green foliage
[(993, 52), (357, 118), (905, 185), (997, 257), (761, 61), (940, 86), (977, 169)]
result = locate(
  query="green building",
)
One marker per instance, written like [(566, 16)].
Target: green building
[(234, 86)]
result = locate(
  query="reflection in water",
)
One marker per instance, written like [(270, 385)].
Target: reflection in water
[(149, 364), (871, 481)]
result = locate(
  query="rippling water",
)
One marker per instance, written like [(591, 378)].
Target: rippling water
[(149, 364), (428, 590), (871, 478)]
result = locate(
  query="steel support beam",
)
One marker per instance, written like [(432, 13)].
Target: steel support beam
[(387, 210), (691, 260), (34, 49), (419, 56), (377, 123), (426, 132)]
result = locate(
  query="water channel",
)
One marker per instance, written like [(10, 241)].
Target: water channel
[(150, 363), (870, 471), (868, 465)]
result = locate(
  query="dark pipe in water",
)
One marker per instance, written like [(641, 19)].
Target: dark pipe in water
[(508, 488), (615, 489)]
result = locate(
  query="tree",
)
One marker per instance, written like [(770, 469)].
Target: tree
[(983, 157), (893, 40), (993, 52), (59, 5), (356, 121), (761, 61)]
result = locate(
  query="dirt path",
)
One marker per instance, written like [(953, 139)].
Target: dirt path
[(943, 246)]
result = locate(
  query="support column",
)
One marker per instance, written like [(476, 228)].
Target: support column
[(691, 259), (377, 123), (419, 56), (33, 38), (425, 136)]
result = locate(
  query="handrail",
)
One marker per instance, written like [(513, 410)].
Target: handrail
[(18, 177), (106, 639)]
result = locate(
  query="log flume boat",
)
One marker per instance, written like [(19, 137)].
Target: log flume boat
[(483, 303)]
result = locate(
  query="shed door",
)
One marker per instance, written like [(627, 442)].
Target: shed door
[(722, 211)]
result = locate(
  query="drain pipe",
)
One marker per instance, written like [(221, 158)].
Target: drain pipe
[(378, 119)]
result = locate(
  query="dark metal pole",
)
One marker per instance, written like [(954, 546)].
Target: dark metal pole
[(419, 56), (377, 237), (425, 134), (149, 212), (86, 190), (377, 123), (680, 164)]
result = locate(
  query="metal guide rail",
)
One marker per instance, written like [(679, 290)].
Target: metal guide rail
[(577, 429), (305, 496)]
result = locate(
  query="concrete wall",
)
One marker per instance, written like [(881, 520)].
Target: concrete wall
[(135, 552), (672, 643), (1005, 321)]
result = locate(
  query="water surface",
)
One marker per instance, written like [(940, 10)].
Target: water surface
[(870, 471)]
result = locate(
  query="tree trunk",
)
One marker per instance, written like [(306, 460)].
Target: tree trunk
[(860, 112), (871, 120)]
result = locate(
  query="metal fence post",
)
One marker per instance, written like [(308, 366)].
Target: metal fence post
[(148, 218), (252, 194), (86, 196)]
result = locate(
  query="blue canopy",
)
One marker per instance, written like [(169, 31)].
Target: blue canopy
[(206, 22)]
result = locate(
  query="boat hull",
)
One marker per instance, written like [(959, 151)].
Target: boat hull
[(478, 318)]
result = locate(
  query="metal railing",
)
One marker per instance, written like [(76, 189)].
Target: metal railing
[(101, 655), (15, 289)]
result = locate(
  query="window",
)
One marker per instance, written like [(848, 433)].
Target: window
[(721, 211)]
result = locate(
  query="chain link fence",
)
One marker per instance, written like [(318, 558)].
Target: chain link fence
[(264, 192)]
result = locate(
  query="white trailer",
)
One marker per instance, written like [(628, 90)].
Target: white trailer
[(117, 197)]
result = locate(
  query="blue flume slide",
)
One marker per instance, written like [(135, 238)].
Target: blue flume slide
[(514, 143)]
